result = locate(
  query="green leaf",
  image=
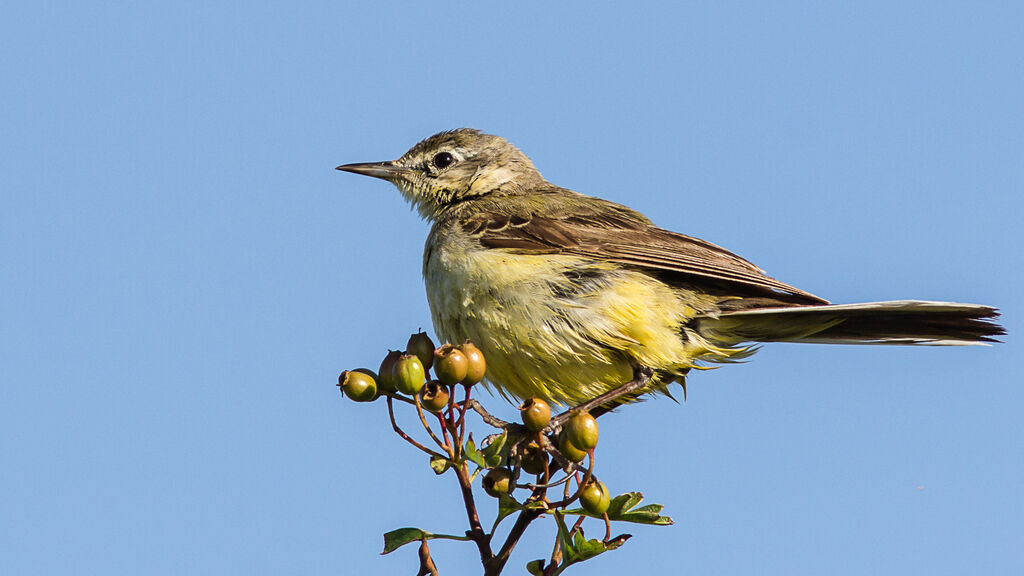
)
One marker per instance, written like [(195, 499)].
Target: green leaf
[(473, 455), (655, 508), (617, 541), (652, 519), (587, 548), (569, 553), (623, 503), (497, 451), (577, 548), (440, 465), (397, 538), (507, 505), (535, 567)]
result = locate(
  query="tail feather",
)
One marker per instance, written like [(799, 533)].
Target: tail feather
[(896, 322)]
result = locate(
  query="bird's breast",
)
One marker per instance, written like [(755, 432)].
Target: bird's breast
[(551, 325)]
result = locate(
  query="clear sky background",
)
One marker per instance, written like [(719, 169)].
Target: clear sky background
[(183, 274)]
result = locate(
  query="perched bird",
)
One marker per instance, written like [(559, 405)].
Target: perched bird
[(570, 297)]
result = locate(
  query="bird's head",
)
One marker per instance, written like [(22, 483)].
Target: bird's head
[(452, 167)]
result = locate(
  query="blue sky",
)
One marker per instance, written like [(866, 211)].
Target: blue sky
[(184, 274)]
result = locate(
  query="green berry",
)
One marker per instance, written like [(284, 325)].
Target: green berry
[(359, 385), (581, 430), (409, 374), (386, 373), (421, 345), (477, 364), (595, 498), (536, 413), (497, 482), (450, 364), (434, 396), (567, 449)]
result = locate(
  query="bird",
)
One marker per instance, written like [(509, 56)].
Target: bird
[(572, 297)]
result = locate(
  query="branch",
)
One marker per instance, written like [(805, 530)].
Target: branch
[(488, 419), (476, 531), (497, 564)]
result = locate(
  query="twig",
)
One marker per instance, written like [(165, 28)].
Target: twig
[(444, 434), (476, 531), (461, 424), (491, 420), (426, 426), (497, 564), (400, 432), (641, 378), (588, 474), (577, 524), (398, 397), (548, 485), (556, 558)]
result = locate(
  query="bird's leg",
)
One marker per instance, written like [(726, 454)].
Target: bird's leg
[(607, 401)]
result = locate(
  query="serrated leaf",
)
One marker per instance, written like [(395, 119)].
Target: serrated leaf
[(440, 465), (496, 451), (397, 538), (474, 455), (535, 567)]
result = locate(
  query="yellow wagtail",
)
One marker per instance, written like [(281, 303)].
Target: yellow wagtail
[(571, 297)]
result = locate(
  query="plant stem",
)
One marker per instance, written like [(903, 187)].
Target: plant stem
[(400, 432), (426, 426), (497, 563), (476, 531)]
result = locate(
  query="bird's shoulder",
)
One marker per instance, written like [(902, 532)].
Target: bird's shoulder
[(547, 219)]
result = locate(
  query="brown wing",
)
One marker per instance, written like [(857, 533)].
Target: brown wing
[(627, 240)]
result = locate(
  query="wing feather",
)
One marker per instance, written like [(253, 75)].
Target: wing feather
[(633, 242)]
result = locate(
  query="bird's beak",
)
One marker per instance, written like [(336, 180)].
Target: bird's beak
[(384, 170)]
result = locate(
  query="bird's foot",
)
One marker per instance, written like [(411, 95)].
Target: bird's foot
[(607, 401)]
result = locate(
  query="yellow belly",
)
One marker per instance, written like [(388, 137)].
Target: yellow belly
[(558, 327)]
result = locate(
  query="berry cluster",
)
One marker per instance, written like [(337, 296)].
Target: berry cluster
[(550, 449)]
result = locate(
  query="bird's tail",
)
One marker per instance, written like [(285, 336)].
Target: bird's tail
[(896, 322)]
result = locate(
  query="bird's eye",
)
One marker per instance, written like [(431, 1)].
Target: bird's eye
[(443, 160)]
